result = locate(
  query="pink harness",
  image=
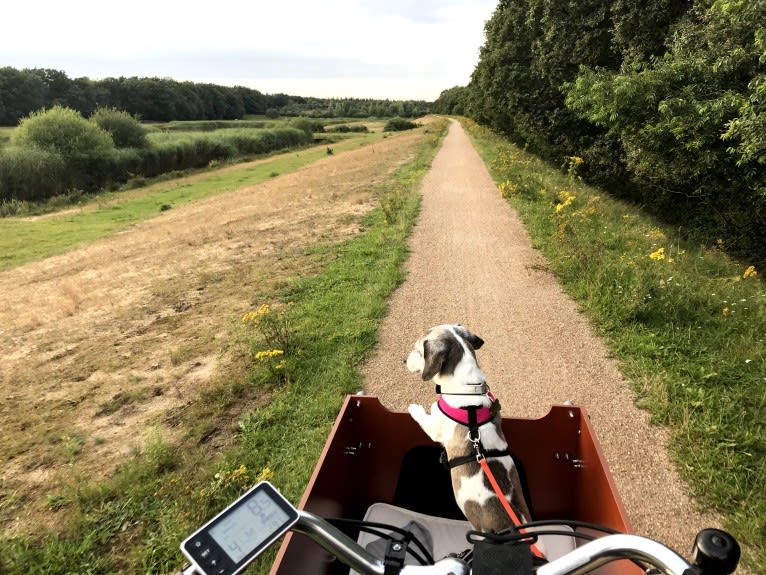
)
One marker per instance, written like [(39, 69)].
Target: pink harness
[(460, 414)]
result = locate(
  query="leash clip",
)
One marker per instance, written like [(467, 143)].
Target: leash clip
[(476, 441)]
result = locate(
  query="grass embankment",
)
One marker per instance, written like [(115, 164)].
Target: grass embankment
[(687, 324), (24, 240), (306, 342)]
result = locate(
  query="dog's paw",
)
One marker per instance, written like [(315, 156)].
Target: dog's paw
[(416, 411)]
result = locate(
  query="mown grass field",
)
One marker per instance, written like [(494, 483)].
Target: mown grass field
[(26, 239), (268, 416), (686, 322)]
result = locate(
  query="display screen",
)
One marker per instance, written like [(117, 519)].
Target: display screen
[(248, 526)]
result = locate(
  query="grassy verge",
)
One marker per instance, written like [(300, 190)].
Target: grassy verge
[(687, 324), (23, 240), (306, 342)]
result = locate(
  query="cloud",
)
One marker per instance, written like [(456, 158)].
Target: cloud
[(395, 46)]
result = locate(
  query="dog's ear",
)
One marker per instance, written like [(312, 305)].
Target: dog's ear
[(440, 356), (475, 341), (433, 357)]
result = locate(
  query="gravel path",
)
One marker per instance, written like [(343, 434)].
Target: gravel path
[(472, 263)]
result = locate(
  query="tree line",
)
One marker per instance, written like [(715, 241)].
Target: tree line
[(163, 99), (664, 100)]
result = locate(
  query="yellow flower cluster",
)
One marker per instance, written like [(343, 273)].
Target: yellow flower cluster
[(750, 272), (239, 478), (268, 353), (172, 483), (505, 160), (573, 164), (507, 188), (255, 317), (566, 199), (240, 475), (659, 255), (264, 475)]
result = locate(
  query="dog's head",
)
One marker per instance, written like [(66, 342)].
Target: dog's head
[(447, 354)]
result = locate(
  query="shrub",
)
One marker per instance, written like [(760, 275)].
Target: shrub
[(85, 148), (345, 128), (398, 125), (126, 130), (30, 174), (307, 125)]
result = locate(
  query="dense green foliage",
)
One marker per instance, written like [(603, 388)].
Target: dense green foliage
[(345, 128), (126, 130), (84, 148), (164, 100), (685, 322), (57, 151), (662, 99), (398, 125)]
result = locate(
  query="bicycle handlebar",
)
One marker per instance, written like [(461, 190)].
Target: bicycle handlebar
[(581, 560)]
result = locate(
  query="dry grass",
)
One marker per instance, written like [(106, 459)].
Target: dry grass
[(108, 342)]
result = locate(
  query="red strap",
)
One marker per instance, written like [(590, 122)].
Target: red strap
[(506, 504)]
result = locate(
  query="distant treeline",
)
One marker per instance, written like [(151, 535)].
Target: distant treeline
[(164, 100), (665, 101)]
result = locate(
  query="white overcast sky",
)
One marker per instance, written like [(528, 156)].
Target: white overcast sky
[(397, 49)]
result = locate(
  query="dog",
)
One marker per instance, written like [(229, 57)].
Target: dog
[(446, 354)]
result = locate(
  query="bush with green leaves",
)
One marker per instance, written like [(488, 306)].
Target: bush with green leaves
[(57, 152), (345, 128), (30, 174), (398, 125), (85, 149), (126, 130), (307, 125)]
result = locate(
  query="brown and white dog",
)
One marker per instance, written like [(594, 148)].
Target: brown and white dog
[(447, 355)]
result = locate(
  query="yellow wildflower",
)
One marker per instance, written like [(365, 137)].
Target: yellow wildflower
[(264, 475), (566, 199), (750, 273), (254, 317), (507, 188), (726, 311), (658, 255), (269, 353)]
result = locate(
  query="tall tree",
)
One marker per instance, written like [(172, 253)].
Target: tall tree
[(21, 93)]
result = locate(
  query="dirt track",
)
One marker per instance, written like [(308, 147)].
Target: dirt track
[(472, 263)]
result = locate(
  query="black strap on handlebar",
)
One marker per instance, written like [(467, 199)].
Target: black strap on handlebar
[(396, 551)]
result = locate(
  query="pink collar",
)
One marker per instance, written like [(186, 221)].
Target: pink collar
[(460, 414)]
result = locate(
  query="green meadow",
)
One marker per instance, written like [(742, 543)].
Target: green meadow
[(26, 239)]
